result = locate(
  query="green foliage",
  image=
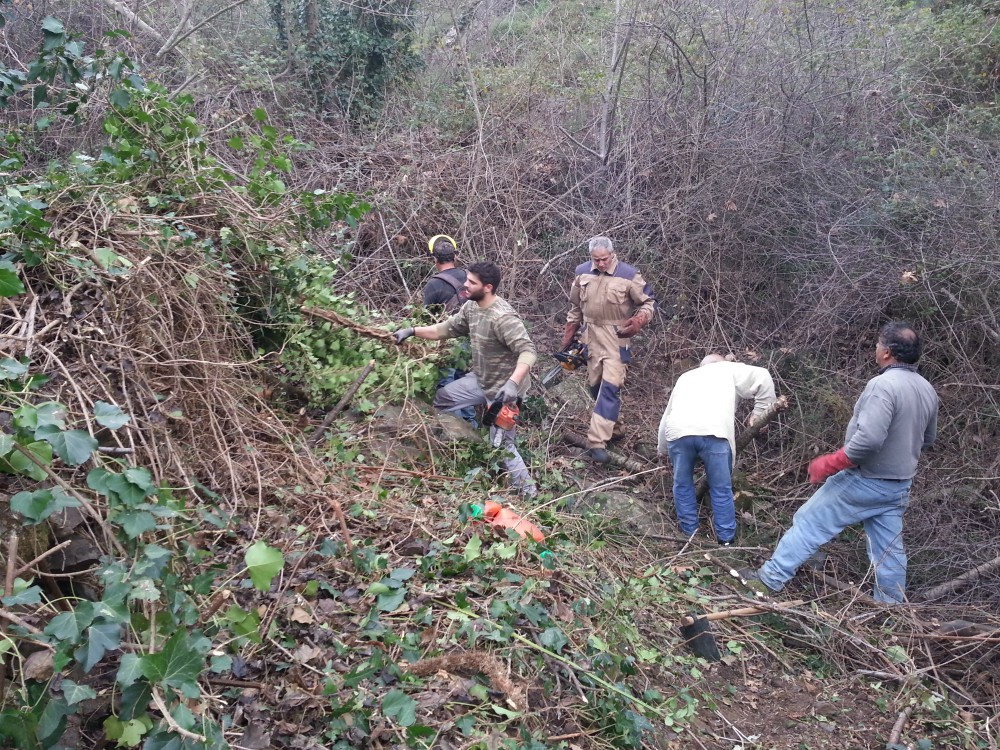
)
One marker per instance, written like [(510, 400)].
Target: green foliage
[(263, 563), (326, 358), (89, 634), (352, 52), (61, 77)]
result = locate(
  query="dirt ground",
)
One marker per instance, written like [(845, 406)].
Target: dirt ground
[(768, 709)]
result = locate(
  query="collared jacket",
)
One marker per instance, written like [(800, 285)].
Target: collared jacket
[(611, 298)]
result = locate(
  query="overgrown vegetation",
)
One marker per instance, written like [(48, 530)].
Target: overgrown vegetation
[(787, 177)]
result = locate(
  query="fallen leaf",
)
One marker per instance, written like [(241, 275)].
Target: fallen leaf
[(730, 206), (712, 216), (908, 278), (38, 666), (305, 653), (301, 616), (941, 203)]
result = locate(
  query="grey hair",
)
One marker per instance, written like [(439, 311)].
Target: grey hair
[(712, 358), (605, 242)]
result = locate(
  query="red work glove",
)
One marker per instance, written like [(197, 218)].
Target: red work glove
[(569, 333), (632, 326), (822, 467)]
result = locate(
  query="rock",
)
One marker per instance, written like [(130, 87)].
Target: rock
[(645, 516), (80, 551), (570, 397), (400, 433)]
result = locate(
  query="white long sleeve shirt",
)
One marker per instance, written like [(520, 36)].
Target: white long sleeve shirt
[(703, 401)]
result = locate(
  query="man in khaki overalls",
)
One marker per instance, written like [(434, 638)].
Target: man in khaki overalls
[(613, 302)]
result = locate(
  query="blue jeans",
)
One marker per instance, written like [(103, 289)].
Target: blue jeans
[(715, 453), (847, 498)]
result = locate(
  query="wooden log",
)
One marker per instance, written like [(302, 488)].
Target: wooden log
[(617, 459), (747, 436)]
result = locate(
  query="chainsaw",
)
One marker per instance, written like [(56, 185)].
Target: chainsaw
[(571, 358)]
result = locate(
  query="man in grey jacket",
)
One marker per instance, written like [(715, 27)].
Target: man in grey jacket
[(868, 480)]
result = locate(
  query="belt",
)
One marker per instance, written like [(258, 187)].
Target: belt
[(592, 322)]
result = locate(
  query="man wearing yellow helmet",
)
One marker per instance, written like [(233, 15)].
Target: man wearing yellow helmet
[(446, 289)]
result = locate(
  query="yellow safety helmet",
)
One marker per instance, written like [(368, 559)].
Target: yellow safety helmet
[(435, 238)]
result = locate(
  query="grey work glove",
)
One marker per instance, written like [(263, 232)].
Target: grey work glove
[(402, 335), (508, 392)]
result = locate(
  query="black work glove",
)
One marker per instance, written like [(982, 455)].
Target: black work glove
[(508, 392), (402, 335)]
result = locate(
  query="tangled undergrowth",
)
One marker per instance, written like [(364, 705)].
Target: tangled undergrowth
[(197, 577)]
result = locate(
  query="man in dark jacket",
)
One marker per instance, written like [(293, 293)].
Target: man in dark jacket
[(447, 286), (868, 480)]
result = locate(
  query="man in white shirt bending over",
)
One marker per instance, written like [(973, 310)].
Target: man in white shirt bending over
[(699, 423)]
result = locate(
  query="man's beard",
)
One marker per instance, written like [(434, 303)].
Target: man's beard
[(477, 296)]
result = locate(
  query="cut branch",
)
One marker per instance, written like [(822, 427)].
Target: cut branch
[(177, 39), (123, 10), (955, 584), (314, 440)]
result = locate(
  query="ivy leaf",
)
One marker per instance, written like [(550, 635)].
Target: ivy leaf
[(98, 640), (401, 707), (263, 563), (120, 98), (32, 595), (473, 548), (69, 626), (129, 670), (110, 416), (135, 700), (21, 464), (72, 446), (135, 522), (37, 505), (11, 369), (75, 693), (389, 602), (127, 733), (52, 722), (50, 413), (53, 25), (10, 284), (6, 443), (553, 639), (178, 665)]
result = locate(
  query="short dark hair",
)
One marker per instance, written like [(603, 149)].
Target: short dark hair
[(443, 251), (487, 273), (901, 340)]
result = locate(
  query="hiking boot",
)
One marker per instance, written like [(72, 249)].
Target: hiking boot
[(599, 455), (750, 578), (727, 543)]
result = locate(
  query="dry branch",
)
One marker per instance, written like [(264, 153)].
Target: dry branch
[(955, 584), (348, 395), (340, 320)]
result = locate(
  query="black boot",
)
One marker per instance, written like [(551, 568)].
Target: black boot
[(599, 455)]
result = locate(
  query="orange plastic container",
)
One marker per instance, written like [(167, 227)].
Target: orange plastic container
[(504, 518)]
